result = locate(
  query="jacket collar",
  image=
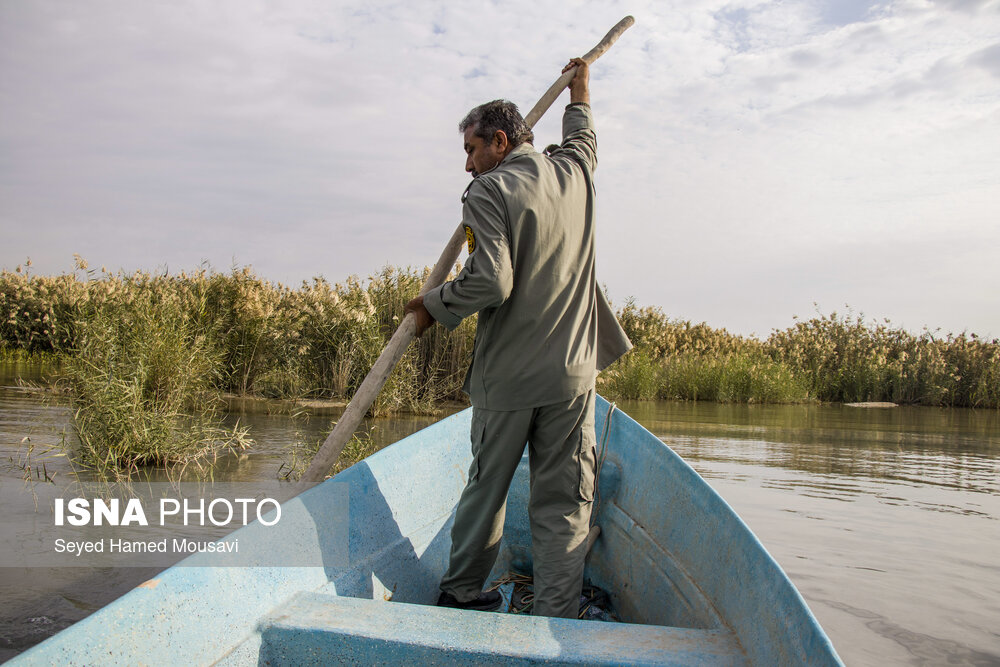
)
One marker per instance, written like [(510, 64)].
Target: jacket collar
[(523, 149)]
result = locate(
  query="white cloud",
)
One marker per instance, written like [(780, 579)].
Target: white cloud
[(755, 156)]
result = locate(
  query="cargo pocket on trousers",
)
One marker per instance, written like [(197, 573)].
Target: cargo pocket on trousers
[(587, 460), (476, 435)]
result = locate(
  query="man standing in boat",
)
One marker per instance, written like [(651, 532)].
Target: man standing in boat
[(544, 330)]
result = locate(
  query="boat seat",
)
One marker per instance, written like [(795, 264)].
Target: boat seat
[(320, 629)]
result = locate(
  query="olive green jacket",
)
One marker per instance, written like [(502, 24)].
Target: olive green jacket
[(544, 327)]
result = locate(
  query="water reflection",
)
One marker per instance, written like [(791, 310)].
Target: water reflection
[(953, 448), (276, 436)]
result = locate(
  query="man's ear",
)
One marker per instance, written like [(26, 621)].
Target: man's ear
[(500, 141)]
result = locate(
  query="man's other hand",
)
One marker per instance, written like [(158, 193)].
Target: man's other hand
[(422, 318)]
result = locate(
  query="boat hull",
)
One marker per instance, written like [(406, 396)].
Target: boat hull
[(692, 582)]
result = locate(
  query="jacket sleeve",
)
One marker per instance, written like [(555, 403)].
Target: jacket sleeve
[(579, 137), (487, 278)]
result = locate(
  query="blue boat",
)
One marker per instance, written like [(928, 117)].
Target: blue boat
[(691, 582)]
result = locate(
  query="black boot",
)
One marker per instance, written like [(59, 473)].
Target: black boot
[(487, 601)]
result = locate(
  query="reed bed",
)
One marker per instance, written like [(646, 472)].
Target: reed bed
[(141, 377), (844, 358), (261, 338), (147, 351), (147, 355), (828, 358)]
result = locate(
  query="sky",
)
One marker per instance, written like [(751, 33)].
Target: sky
[(757, 160)]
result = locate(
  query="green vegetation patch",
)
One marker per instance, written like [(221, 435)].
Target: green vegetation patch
[(829, 358), (147, 355), (141, 373)]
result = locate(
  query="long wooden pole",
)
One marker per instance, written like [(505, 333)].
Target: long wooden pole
[(393, 352)]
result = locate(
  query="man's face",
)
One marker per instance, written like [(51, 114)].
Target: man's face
[(482, 155)]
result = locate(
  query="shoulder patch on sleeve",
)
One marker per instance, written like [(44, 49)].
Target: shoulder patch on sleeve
[(470, 239)]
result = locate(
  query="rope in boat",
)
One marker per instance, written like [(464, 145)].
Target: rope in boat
[(518, 590)]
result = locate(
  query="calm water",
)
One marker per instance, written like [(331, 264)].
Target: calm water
[(887, 520)]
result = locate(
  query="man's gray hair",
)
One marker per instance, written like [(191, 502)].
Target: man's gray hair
[(498, 115)]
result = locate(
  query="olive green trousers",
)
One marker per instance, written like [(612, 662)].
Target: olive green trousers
[(562, 459)]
